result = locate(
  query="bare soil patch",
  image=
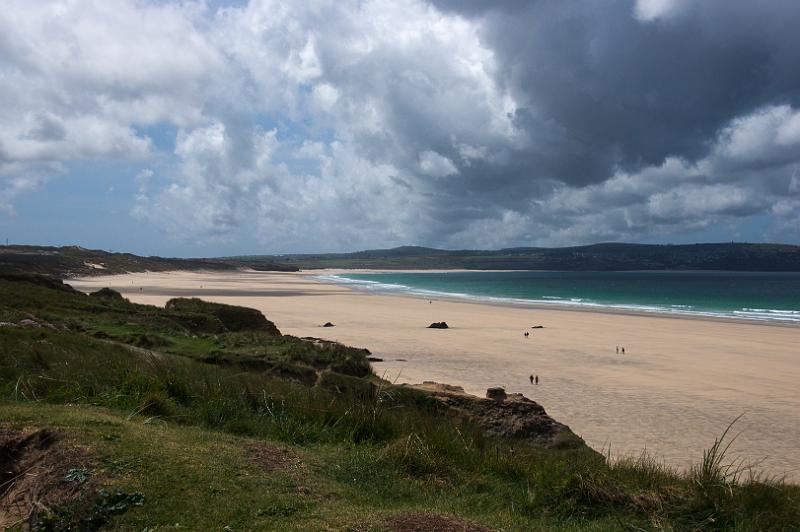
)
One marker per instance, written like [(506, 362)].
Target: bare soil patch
[(35, 475), (271, 457), (432, 523)]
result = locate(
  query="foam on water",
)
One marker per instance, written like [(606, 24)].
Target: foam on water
[(745, 313)]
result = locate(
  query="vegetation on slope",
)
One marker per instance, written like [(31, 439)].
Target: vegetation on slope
[(597, 257), (176, 441), (75, 261)]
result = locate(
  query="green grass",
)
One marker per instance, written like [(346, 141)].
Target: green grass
[(164, 423), (213, 333), (204, 480)]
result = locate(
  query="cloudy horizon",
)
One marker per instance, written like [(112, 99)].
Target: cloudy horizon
[(233, 127)]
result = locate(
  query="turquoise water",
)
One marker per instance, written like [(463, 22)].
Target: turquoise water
[(760, 296)]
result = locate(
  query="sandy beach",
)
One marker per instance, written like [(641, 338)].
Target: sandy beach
[(680, 383)]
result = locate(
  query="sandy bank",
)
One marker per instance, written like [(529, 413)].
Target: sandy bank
[(679, 384)]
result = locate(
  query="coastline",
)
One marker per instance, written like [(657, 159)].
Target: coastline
[(320, 275), (682, 382)]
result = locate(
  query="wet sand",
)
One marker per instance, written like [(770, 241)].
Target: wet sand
[(677, 387)]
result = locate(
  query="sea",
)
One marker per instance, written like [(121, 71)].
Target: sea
[(772, 297)]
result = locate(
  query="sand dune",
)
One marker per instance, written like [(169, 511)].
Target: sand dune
[(679, 384)]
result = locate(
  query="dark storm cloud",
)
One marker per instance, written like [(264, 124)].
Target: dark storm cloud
[(600, 89)]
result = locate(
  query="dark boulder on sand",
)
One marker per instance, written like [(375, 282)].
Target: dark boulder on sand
[(328, 324), (498, 394), (438, 325)]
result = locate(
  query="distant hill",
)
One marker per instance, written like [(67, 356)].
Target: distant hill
[(598, 257), (75, 261)]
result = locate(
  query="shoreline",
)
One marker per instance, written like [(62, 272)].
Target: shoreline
[(683, 379), (532, 304)]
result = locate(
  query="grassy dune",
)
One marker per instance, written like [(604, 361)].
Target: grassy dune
[(202, 417)]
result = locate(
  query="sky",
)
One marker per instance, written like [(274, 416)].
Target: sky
[(192, 128)]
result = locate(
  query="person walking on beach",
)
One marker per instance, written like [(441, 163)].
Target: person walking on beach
[(531, 379), (617, 349), (623, 350), (536, 379)]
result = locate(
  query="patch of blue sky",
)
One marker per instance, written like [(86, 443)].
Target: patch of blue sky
[(88, 205), (91, 205), (161, 135)]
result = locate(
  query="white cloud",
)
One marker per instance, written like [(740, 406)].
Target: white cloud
[(13, 187), (436, 165), (730, 183), (649, 10), (78, 77), (769, 135), (699, 201), (469, 153), (303, 65), (794, 183), (789, 129), (325, 96), (354, 69)]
